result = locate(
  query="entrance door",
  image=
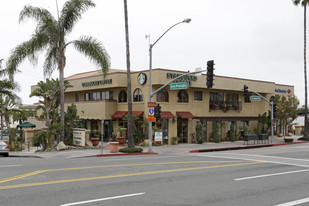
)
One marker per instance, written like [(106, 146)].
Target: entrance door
[(182, 129)]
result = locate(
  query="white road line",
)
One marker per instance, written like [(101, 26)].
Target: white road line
[(296, 202), (252, 159), (274, 174), (10, 165), (255, 155), (102, 199)]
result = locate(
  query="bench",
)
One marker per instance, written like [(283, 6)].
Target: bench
[(248, 137), (264, 137)]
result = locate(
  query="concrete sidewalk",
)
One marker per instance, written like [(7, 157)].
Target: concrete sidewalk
[(166, 149)]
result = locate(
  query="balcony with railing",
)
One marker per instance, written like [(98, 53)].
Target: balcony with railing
[(225, 106)]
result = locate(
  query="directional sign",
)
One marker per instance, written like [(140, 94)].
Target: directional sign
[(255, 98), (179, 85)]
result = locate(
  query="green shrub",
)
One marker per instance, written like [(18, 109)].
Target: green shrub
[(288, 140), (304, 138), (131, 150)]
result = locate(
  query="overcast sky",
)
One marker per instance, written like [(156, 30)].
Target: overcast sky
[(260, 40)]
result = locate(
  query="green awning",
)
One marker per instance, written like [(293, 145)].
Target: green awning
[(26, 125)]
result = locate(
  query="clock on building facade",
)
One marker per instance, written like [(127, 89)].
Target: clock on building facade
[(141, 78)]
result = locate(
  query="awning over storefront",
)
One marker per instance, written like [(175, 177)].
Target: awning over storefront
[(185, 115), (167, 115), (137, 113), (120, 114)]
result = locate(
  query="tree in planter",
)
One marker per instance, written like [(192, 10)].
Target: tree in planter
[(217, 132), (199, 132), (232, 133)]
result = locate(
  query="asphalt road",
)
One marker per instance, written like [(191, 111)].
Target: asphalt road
[(265, 176)]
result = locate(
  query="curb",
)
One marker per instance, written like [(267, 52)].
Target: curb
[(244, 147), (125, 154)]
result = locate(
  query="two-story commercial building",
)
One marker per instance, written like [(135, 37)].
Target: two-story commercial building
[(96, 97)]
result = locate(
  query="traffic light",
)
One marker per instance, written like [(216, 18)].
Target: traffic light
[(246, 94), (157, 111), (210, 74), (274, 110)]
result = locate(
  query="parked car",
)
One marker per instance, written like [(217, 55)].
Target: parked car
[(4, 149)]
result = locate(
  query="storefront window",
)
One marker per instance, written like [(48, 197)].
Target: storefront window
[(162, 96), (122, 96), (198, 96), (182, 96), (138, 95)]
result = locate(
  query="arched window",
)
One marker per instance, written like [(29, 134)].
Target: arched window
[(122, 96), (138, 95), (182, 96), (162, 96)]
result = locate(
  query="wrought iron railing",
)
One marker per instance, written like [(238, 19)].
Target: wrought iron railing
[(225, 106)]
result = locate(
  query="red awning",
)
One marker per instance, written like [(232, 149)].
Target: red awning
[(137, 113), (185, 115), (119, 114), (167, 115)]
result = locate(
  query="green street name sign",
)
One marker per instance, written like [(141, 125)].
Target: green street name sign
[(255, 98), (180, 85)]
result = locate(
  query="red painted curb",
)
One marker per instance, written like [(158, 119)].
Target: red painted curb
[(125, 154)]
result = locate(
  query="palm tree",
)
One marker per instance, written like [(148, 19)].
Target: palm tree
[(304, 4), (8, 105), (50, 36), (130, 119)]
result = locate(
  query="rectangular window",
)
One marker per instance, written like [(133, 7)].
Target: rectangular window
[(107, 95), (87, 96), (198, 96), (216, 98), (231, 98), (77, 97), (96, 96)]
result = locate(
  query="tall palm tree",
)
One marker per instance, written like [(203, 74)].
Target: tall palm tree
[(50, 36), (130, 119), (304, 3)]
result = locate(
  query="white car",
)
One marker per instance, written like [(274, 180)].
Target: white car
[(4, 149)]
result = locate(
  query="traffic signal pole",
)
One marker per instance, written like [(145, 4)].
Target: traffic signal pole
[(271, 103)]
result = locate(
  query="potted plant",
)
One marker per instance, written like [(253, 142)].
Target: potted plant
[(121, 134), (175, 140), (96, 138)]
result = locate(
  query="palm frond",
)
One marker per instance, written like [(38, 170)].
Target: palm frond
[(36, 13), (26, 49), (95, 51), (50, 63), (71, 13)]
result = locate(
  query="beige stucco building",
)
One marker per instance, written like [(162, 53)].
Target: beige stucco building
[(96, 97)]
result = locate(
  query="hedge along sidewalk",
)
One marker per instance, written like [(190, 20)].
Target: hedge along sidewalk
[(123, 154)]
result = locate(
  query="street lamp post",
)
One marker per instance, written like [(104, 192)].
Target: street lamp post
[(150, 78)]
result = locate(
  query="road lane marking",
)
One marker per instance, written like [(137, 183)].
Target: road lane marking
[(273, 174), (103, 199), (105, 166), (10, 165), (296, 202), (252, 159), (124, 175), (21, 176)]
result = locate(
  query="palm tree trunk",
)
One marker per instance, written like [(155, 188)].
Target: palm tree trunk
[(61, 84), (130, 119), (305, 75)]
